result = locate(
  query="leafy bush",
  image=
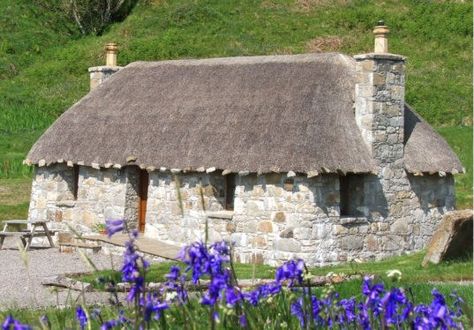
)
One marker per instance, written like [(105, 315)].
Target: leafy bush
[(90, 16)]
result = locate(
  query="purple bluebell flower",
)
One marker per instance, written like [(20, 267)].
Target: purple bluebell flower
[(81, 317), (291, 271), (11, 324), (175, 283), (153, 305), (110, 324), (174, 273), (348, 314), (232, 296), (113, 226), (253, 297), (243, 321)]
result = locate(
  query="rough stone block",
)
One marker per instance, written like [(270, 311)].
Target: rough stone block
[(372, 243), (287, 233), (400, 226), (302, 233), (453, 238), (287, 244), (259, 242), (265, 226), (340, 230), (279, 217), (351, 243)]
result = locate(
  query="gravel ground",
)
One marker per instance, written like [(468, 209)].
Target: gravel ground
[(20, 286)]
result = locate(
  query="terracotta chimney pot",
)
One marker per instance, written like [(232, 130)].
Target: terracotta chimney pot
[(381, 32), (111, 50)]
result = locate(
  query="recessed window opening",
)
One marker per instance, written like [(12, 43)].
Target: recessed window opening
[(288, 184), (351, 195), (75, 181), (229, 191)]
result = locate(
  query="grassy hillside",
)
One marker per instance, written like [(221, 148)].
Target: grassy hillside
[(43, 61)]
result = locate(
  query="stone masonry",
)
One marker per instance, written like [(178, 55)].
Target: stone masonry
[(101, 195), (274, 217)]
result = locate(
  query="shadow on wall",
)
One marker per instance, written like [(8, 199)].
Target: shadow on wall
[(433, 191)]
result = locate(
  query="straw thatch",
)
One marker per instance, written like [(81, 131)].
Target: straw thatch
[(255, 114), (426, 150)]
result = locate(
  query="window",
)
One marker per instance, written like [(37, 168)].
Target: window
[(288, 184), (75, 181), (352, 195), (229, 191)]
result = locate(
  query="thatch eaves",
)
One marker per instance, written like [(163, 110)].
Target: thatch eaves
[(425, 150)]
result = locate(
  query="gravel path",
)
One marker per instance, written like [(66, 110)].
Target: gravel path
[(21, 286)]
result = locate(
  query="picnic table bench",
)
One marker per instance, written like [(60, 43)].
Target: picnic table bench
[(26, 235)]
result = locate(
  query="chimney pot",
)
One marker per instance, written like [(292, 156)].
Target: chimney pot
[(111, 50), (99, 74), (381, 32)]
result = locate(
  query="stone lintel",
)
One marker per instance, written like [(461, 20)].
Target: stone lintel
[(379, 56), (220, 214)]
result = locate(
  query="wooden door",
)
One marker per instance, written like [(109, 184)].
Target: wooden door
[(143, 196)]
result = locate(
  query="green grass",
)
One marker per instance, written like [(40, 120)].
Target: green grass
[(14, 198), (460, 139), (409, 265), (157, 272), (44, 62)]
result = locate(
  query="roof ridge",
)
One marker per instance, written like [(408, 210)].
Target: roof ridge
[(248, 60)]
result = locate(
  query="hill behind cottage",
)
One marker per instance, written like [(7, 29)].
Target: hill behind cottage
[(44, 58)]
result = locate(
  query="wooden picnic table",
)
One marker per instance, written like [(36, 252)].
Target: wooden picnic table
[(28, 234)]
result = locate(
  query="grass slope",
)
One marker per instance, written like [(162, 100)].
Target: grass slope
[(43, 62)]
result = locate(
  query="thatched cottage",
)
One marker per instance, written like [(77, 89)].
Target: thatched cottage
[(315, 156)]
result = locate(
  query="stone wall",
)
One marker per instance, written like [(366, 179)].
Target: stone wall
[(166, 220), (100, 196), (275, 218)]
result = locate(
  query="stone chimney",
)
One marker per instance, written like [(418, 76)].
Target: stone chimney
[(380, 99), (379, 112), (99, 74)]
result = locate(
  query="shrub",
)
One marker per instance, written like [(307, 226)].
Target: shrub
[(90, 16)]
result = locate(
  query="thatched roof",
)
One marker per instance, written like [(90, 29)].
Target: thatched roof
[(425, 150), (256, 114)]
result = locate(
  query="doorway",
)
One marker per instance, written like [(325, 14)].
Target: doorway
[(142, 197)]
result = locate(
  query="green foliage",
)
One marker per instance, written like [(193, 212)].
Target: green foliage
[(44, 61), (460, 139), (89, 16), (409, 265), (14, 198), (274, 313), (157, 272)]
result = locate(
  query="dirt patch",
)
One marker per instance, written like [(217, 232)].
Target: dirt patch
[(324, 44)]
